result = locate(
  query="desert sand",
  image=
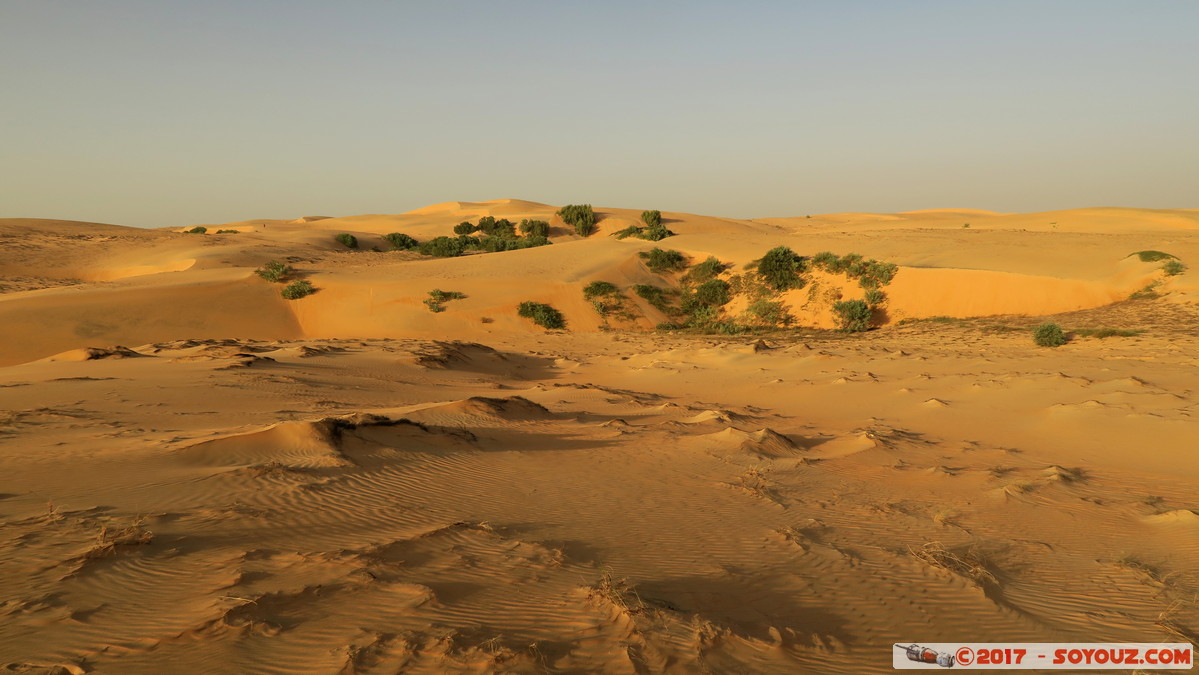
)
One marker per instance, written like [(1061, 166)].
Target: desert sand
[(200, 476)]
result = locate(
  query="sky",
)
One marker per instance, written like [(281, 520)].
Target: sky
[(173, 112)]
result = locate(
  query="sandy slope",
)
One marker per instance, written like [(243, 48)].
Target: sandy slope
[(250, 485)]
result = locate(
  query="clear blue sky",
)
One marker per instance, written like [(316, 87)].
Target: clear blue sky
[(169, 112)]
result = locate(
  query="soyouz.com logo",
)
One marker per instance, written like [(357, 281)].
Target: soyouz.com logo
[(1046, 655)]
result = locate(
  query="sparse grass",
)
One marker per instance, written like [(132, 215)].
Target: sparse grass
[(274, 271), (437, 298), (654, 295), (931, 319), (297, 289), (709, 269), (110, 540), (1149, 292), (768, 313), (663, 260), (967, 563), (1049, 335), (946, 517), (542, 314), (1173, 268), (1106, 332), (1152, 256)]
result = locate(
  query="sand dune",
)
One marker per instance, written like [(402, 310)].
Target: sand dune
[(203, 477)]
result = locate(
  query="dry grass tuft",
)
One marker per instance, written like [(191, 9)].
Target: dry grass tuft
[(967, 563), (110, 540)]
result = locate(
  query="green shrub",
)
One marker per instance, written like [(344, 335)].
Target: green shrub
[(852, 315), (1049, 335), (401, 241), (711, 294), (199, 229), (710, 268), (534, 228), (579, 216), (875, 297), (1173, 268), (274, 271), (347, 240), (496, 228), (652, 218), (780, 268), (768, 313), (438, 297), (1152, 256), (297, 289), (658, 260), (542, 314), (227, 232), (654, 295), (465, 228), (599, 288), (651, 233), (442, 247), (826, 260)]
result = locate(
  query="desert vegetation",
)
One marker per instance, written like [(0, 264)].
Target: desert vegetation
[(437, 299), (346, 239), (853, 316), (297, 289), (275, 271), (199, 229), (1049, 335), (607, 300), (542, 314), (663, 261), (652, 230), (401, 241), (581, 217)]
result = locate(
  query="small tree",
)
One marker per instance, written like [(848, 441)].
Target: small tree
[(401, 241), (274, 271), (542, 314), (465, 228), (852, 315), (652, 218), (534, 228), (347, 240), (442, 247), (579, 216), (780, 269), (1049, 335), (297, 289)]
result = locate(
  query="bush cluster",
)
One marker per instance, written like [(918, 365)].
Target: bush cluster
[(274, 271), (652, 218), (781, 269), (1173, 268), (579, 216), (852, 315), (347, 240), (199, 229), (542, 314), (442, 247), (870, 273), (535, 228), (437, 299), (660, 261), (401, 241), (1049, 335), (710, 268), (297, 289)]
